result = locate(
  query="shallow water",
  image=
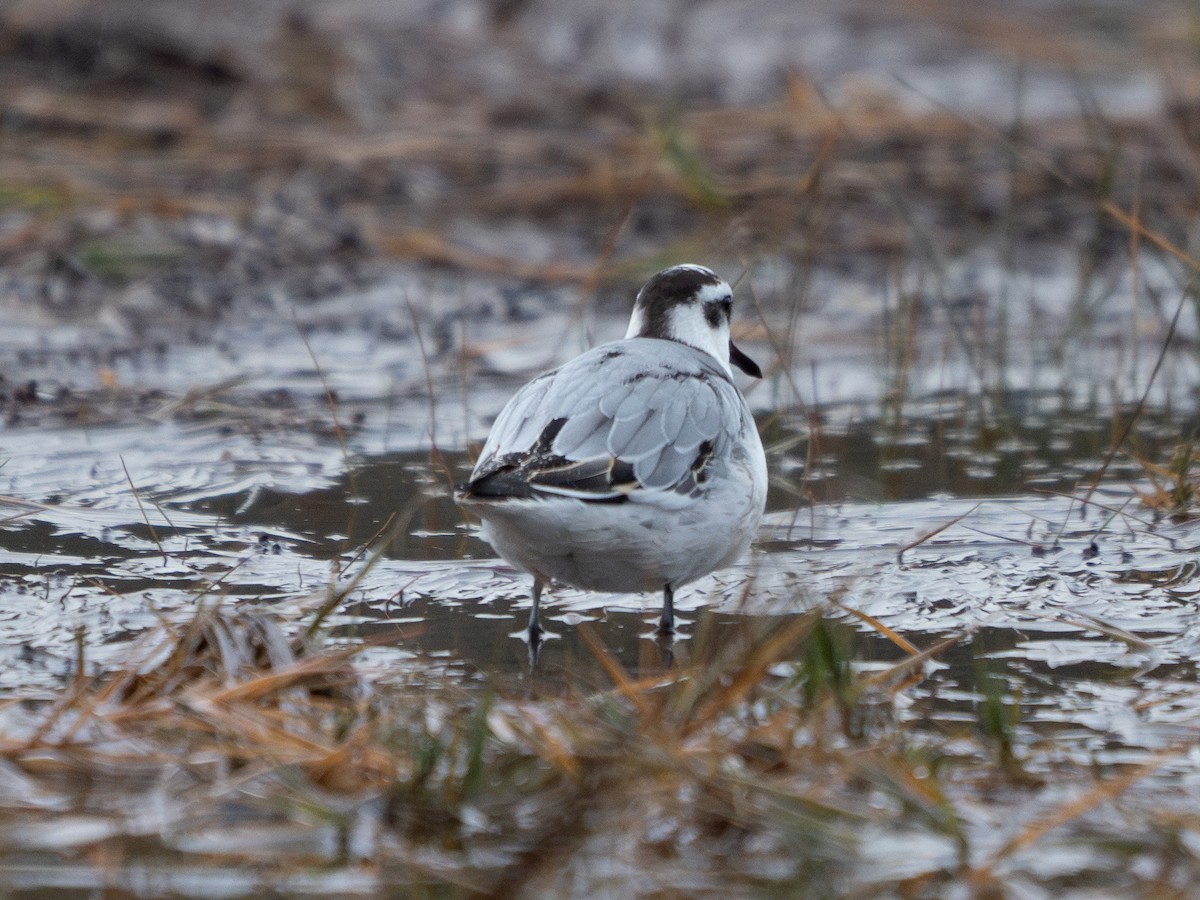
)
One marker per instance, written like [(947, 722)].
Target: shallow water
[(932, 486), (266, 452), (274, 518), (1081, 614)]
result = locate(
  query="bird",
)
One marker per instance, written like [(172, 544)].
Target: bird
[(636, 466)]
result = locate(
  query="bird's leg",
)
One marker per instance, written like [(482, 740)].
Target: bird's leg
[(667, 624), (535, 628)]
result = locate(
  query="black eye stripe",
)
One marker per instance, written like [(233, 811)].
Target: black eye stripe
[(717, 310)]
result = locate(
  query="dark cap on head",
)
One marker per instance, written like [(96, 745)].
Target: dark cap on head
[(685, 285), (677, 284)]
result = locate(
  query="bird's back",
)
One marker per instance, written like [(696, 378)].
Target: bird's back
[(625, 420)]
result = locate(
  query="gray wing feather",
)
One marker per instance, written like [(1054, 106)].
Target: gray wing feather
[(671, 420), (525, 432), (583, 435), (691, 435), (655, 421), (660, 463), (647, 442), (669, 469), (516, 425), (611, 402), (707, 416)]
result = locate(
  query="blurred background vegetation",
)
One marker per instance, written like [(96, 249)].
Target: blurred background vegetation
[(267, 268)]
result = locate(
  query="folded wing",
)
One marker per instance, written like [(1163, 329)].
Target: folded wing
[(624, 421)]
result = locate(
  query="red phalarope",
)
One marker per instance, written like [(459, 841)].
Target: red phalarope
[(636, 466)]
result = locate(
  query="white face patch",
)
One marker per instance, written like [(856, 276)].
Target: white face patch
[(685, 303), (689, 325), (637, 322), (709, 293)]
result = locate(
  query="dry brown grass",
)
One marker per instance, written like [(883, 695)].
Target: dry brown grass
[(763, 764)]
